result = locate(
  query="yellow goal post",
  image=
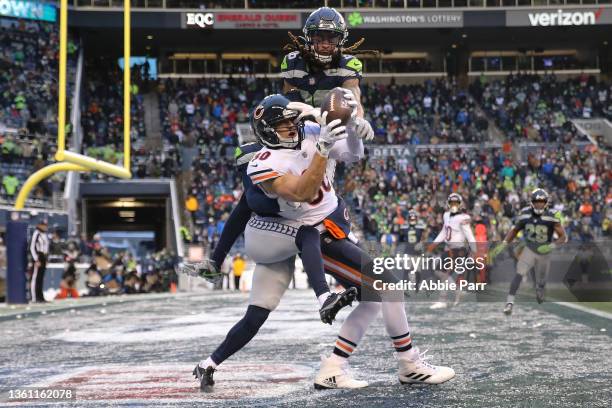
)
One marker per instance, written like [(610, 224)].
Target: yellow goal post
[(72, 161)]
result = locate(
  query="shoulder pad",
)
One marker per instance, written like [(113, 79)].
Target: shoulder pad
[(292, 61), (352, 63), (550, 216), (243, 154)]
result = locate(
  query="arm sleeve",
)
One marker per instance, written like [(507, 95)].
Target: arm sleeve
[(33, 246), (234, 226), (348, 150)]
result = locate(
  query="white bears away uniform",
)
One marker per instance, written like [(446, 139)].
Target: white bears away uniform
[(272, 239), (269, 164), (457, 232)]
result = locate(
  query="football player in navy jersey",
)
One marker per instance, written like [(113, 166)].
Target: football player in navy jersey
[(539, 225), (316, 65), (319, 62), (413, 236)]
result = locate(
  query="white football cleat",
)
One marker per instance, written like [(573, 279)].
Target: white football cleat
[(415, 370), (336, 375), (438, 305)]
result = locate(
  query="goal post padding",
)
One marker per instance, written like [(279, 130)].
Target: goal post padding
[(17, 261)]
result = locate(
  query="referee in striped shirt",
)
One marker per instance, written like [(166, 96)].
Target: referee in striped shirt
[(39, 249)]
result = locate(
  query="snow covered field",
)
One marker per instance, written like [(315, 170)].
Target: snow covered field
[(141, 353)]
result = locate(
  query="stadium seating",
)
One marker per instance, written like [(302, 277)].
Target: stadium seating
[(28, 105), (494, 185), (538, 108), (432, 113)]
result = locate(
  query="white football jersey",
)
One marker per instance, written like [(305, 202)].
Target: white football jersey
[(269, 164), (457, 231)]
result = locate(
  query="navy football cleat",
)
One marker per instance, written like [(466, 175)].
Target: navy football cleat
[(335, 302), (205, 376)]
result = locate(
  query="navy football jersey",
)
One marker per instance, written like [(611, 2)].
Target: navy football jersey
[(537, 229), (258, 202), (411, 235), (314, 84)]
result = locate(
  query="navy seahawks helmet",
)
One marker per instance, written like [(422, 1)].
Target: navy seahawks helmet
[(271, 111), (539, 195), (328, 20), (413, 217), (454, 203)]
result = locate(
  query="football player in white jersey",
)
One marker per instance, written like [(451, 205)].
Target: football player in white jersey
[(269, 239), (458, 237)]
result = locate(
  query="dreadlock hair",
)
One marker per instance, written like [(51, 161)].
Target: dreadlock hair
[(299, 44)]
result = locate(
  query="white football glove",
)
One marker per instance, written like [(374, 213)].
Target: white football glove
[(360, 126), (330, 133), (352, 102), (206, 269), (363, 129), (307, 112)]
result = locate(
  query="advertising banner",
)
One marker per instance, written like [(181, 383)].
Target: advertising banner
[(559, 17), (28, 9), (242, 20), (404, 19)]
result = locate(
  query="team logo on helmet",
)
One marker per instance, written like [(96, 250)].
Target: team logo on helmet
[(268, 115), (454, 203), (258, 113), (539, 196)]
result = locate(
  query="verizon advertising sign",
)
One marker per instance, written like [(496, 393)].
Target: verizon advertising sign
[(399, 19), (559, 17), (242, 20)]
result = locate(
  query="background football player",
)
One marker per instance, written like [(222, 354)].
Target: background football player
[(458, 237), (539, 225), (316, 65), (319, 62), (412, 238)]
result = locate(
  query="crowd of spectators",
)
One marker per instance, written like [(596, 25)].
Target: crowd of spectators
[(199, 120), (102, 113), (539, 108), (21, 155), (494, 185), (435, 112), (110, 272), (28, 104), (494, 182)]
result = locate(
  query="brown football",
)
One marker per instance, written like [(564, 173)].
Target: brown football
[(336, 106)]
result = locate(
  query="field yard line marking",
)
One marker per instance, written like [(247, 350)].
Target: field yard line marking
[(595, 312)]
